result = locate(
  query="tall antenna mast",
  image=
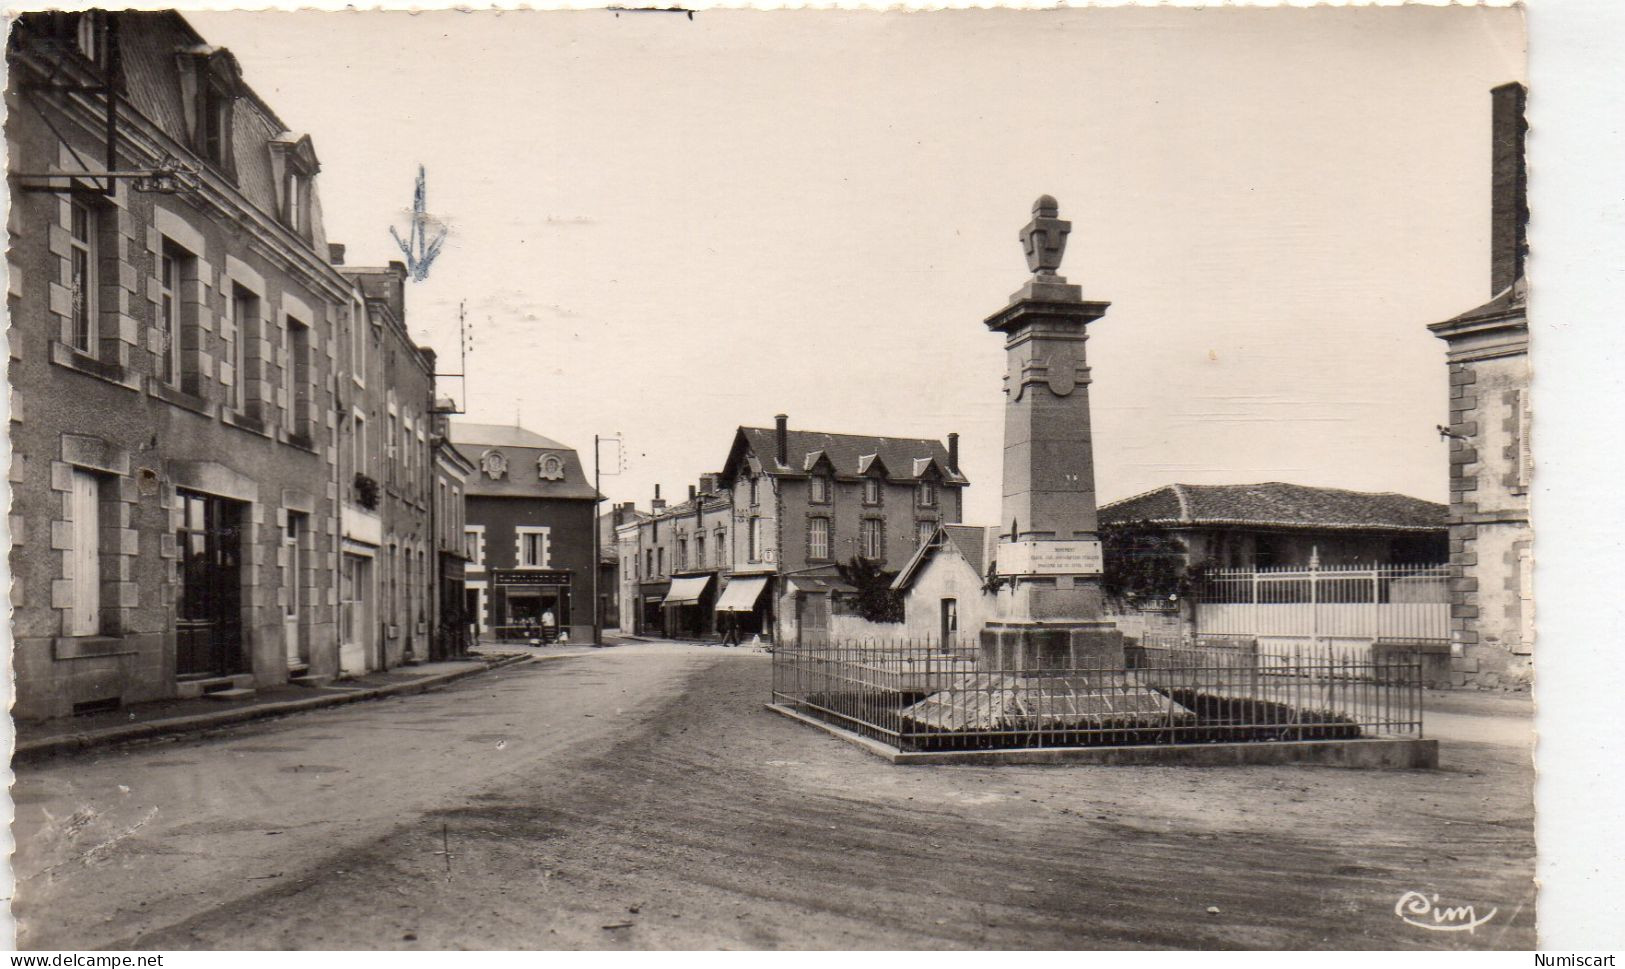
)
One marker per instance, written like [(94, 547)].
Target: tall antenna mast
[(465, 343)]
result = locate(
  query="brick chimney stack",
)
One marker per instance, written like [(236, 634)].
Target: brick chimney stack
[(782, 422), (1509, 204), (953, 452), (658, 505), (692, 491)]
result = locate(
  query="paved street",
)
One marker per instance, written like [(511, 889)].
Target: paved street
[(640, 797)]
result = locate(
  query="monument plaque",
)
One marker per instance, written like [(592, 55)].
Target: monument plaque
[(1050, 558)]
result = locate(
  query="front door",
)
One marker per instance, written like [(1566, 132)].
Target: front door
[(292, 576), (208, 623), (812, 619)]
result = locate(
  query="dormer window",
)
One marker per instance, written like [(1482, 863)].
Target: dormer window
[(215, 126), (294, 166), (871, 491), (87, 35), (928, 494), (210, 80), (294, 202), (820, 490)]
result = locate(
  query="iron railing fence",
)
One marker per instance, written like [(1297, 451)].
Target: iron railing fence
[(914, 695), (1328, 604)]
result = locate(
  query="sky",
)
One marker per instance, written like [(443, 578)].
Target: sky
[(664, 228)]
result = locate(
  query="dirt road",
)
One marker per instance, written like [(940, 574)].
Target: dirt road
[(640, 797)]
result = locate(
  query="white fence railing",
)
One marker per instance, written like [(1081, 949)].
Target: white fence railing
[(1350, 605)]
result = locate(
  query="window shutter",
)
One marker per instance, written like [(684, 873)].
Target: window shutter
[(85, 614), (1526, 464)]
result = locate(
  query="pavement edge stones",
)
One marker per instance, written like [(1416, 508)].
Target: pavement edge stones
[(73, 743)]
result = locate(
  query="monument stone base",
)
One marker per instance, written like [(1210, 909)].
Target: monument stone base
[(1031, 645)]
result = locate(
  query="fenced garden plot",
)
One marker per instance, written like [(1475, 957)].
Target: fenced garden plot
[(918, 697)]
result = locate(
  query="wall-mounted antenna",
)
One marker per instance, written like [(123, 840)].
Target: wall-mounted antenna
[(465, 343)]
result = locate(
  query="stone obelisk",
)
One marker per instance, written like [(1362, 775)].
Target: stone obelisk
[(1048, 562)]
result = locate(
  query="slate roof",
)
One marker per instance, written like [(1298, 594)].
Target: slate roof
[(502, 435), (852, 455), (1275, 504), (1510, 304), (973, 543), (148, 44), (523, 449)]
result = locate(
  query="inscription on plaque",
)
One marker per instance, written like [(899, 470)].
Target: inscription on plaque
[(1050, 558)]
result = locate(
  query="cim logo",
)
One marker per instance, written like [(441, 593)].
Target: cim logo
[(1425, 912)]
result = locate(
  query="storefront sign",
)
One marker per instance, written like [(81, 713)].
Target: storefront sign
[(1050, 558), (510, 577)]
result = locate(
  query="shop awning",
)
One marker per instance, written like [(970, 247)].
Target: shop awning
[(742, 593), (686, 590)]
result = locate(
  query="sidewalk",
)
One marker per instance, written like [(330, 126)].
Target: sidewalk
[(165, 717)]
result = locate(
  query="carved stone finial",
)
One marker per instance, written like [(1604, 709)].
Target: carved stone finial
[(1044, 238)]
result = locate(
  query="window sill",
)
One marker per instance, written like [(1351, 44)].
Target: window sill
[(89, 647), (302, 441), (180, 398), (74, 359), (241, 421)]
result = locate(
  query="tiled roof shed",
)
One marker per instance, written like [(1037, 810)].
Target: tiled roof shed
[(1276, 504)]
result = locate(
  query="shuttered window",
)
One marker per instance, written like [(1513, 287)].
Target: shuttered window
[(818, 538), (1525, 459), (84, 618)]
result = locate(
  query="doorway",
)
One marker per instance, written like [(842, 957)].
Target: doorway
[(208, 623), (355, 613), (292, 580), (812, 619)]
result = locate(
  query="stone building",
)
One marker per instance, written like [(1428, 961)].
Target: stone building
[(1278, 525), (174, 364), (1491, 544), (610, 591), (452, 471), (944, 586), (386, 477), (804, 501), (530, 518)]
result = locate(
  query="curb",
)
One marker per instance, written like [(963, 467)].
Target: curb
[(1360, 754), (70, 743)]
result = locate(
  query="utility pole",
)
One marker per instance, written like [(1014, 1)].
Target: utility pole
[(597, 566)]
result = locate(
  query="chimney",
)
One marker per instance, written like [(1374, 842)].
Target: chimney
[(658, 505), (708, 483), (1509, 203), (692, 491), (782, 422), (335, 253), (953, 452)]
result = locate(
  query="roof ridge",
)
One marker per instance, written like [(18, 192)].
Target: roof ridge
[(800, 430), (1124, 501), (1184, 501)]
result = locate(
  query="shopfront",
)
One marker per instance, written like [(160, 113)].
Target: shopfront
[(530, 604), (688, 606), (745, 605)]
